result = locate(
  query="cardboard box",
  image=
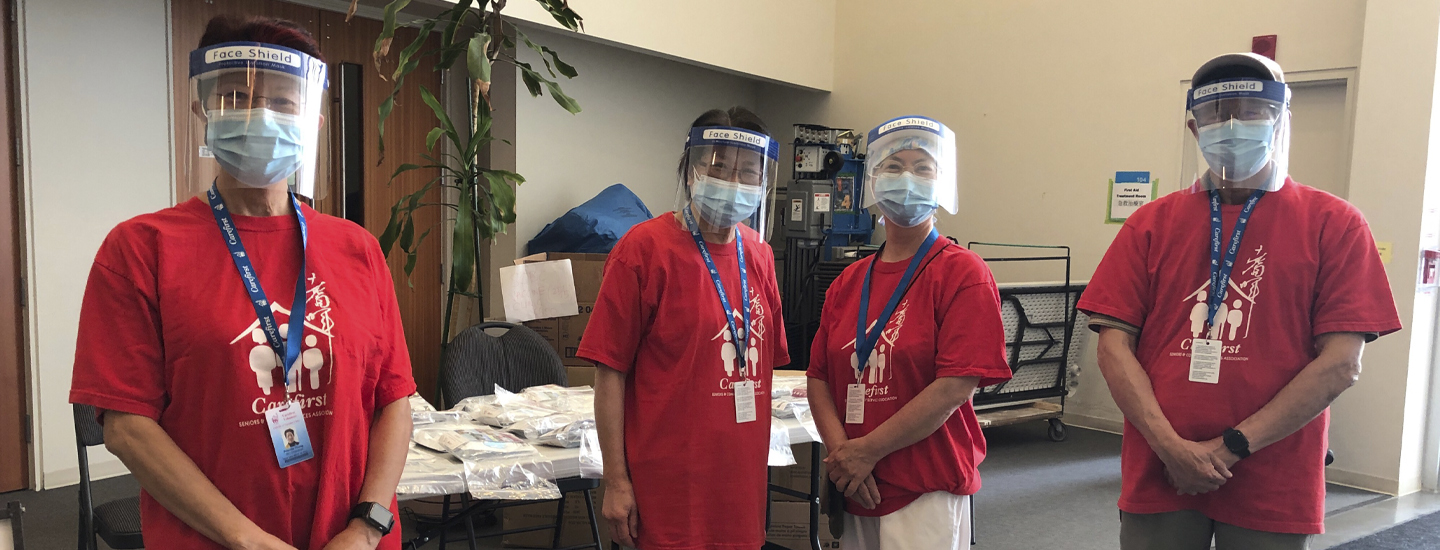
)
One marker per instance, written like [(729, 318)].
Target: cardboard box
[(580, 376), (564, 333), (577, 522), (790, 526), (796, 477)]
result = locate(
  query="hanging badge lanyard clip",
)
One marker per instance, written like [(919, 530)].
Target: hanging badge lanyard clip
[(865, 342), (744, 389)]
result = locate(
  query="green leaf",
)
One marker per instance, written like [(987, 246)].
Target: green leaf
[(405, 168), (462, 245), (392, 230), (565, 101), (410, 261), (387, 29), (385, 108), (565, 68), (447, 35), (500, 192), (517, 178), (407, 234), (435, 134), (408, 61), (532, 80), (476, 60), (440, 114)]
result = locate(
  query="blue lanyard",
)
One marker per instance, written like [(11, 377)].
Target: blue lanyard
[(739, 335), (290, 349), (865, 343), (1220, 272)]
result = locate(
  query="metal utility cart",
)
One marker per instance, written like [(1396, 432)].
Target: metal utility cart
[(1043, 336)]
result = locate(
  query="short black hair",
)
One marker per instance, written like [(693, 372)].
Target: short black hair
[(1230, 72), (289, 431)]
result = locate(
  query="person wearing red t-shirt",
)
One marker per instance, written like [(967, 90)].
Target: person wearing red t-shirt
[(685, 334), (1231, 314), (906, 336), (235, 347)]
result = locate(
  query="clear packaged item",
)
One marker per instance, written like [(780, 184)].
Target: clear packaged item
[(785, 407), (785, 386), (493, 464), (509, 408), (592, 462), (469, 405), (431, 473), (423, 413), (575, 400), (530, 477), (532, 428), (780, 453), (568, 436), (469, 442)]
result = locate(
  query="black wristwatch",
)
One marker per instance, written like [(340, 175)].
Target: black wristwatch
[(1236, 442), (374, 515)]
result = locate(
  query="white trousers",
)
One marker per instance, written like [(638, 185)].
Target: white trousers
[(935, 521)]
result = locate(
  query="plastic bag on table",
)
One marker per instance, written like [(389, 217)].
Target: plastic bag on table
[(786, 407), (469, 405), (419, 404), (509, 408), (472, 443), (592, 463), (807, 421), (568, 436), (563, 399), (430, 473), (785, 386), (529, 477), (780, 453), (532, 428)]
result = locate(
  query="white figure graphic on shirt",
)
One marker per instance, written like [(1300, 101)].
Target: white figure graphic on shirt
[(262, 361), (727, 352), (877, 367), (313, 359), (1218, 329), (752, 356), (1235, 318), (1198, 314)]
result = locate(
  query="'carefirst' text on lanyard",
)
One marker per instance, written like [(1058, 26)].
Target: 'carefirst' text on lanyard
[(865, 343), (1206, 353), (744, 389)]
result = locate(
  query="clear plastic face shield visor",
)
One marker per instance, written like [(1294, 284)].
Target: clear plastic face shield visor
[(727, 177), (1239, 135), (910, 170), (255, 118)]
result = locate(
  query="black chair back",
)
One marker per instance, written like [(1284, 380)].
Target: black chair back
[(475, 362), (88, 433), (13, 513)]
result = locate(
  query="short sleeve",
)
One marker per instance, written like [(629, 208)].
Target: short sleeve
[(397, 379), (1352, 293), (612, 336), (119, 358), (971, 336), (820, 346), (1121, 285)]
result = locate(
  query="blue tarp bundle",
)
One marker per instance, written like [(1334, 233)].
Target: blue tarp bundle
[(593, 227)]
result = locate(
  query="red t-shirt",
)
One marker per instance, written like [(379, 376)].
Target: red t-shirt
[(1307, 266), (167, 332), (700, 478), (948, 324)]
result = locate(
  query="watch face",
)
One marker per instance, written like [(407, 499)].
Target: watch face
[(381, 515)]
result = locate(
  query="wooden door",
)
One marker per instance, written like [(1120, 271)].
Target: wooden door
[(355, 184), (14, 424)]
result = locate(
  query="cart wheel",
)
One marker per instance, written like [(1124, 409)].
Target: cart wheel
[(1057, 430)]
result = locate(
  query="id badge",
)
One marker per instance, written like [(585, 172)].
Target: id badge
[(288, 434), (744, 401), (855, 404), (1205, 361)]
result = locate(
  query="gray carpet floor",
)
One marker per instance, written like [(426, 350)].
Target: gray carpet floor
[(1037, 494)]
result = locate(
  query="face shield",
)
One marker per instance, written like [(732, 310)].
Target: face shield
[(255, 117), (910, 169), (1239, 135), (728, 175)]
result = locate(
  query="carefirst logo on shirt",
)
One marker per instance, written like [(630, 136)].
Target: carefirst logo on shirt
[(735, 361), (1233, 319), (252, 53), (314, 371)]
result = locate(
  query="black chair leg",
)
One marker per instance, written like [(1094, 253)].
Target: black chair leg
[(559, 522), (594, 525), (444, 517), (469, 521)]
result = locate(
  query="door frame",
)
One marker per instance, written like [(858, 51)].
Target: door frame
[(11, 201)]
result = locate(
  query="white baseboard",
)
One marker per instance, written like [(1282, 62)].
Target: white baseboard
[(71, 476), (1109, 425), (1362, 481)]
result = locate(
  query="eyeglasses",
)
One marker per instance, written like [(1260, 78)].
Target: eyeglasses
[(243, 100), (726, 170), (1237, 109)]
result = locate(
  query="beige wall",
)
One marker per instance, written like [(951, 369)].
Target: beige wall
[(788, 41)]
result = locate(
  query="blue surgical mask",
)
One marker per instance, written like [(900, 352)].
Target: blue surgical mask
[(1237, 149), (259, 147), (722, 203), (905, 199)]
